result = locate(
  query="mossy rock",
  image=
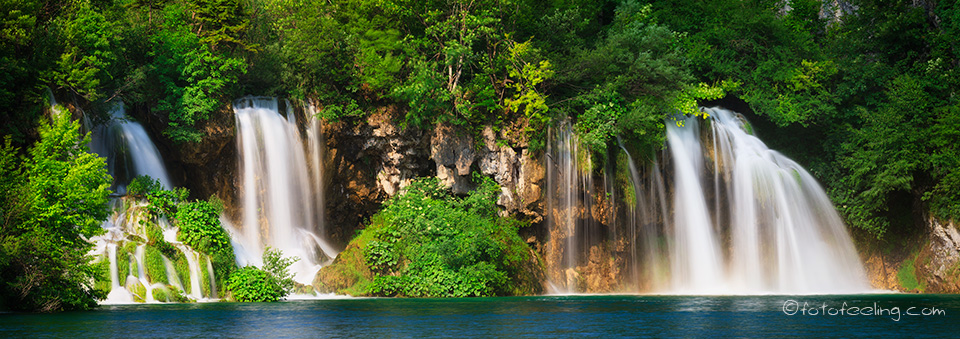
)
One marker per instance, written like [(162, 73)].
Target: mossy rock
[(161, 294), (138, 291)]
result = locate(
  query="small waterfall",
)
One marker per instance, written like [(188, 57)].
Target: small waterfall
[(128, 149), (570, 194), (643, 215), (172, 276), (282, 186), (213, 282), (196, 290), (118, 294)]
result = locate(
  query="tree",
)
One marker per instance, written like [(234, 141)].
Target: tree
[(54, 201)]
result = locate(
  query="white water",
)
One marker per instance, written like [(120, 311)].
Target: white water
[(569, 204), (695, 255), (282, 187), (128, 149), (785, 234), (738, 218), (130, 152)]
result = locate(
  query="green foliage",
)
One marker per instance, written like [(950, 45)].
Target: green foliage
[(52, 200), (200, 229), (161, 201), (528, 75), (276, 265), (156, 269), (271, 283), (90, 52), (251, 284), (426, 243), (220, 22), (907, 275)]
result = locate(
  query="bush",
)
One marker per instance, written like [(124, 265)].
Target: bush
[(274, 281), (200, 229), (251, 284), (427, 243)]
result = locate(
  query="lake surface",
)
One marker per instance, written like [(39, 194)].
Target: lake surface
[(525, 317)]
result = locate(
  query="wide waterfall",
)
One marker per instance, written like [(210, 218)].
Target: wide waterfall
[(717, 213), (281, 178)]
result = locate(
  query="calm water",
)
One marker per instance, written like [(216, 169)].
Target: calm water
[(531, 317)]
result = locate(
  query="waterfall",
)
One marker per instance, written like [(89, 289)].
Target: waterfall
[(128, 149), (281, 186), (642, 217), (695, 254), (130, 152), (718, 213), (570, 194), (785, 234)]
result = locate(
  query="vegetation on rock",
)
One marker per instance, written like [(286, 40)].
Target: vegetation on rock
[(427, 243)]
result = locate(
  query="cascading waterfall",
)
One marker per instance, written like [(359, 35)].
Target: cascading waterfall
[(643, 215), (282, 186), (737, 218), (130, 152), (785, 234)]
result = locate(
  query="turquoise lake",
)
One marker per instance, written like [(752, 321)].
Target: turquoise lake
[(524, 317)]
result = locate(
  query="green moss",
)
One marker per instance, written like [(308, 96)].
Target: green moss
[(123, 266), (102, 268), (138, 291), (183, 270), (204, 276), (907, 275), (156, 270), (624, 178), (161, 295)]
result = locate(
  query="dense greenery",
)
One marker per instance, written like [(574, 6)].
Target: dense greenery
[(267, 284), (51, 201), (198, 223), (426, 243)]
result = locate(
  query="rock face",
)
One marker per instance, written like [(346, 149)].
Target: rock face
[(938, 262), (932, 254), (520, 176), (366, 162)]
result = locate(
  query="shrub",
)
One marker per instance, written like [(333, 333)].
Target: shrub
[(427, 243), (251, 284), (200, 229)]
